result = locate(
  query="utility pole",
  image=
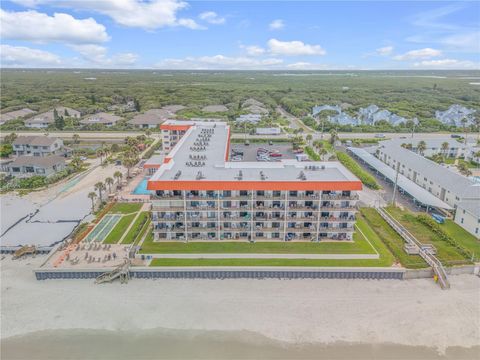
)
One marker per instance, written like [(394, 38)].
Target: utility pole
[(413, 128), (395, 185)]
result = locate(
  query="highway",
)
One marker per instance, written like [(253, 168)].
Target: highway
[(117, 135)]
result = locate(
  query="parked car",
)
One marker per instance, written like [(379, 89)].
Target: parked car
[(455, 136), (380, 136)]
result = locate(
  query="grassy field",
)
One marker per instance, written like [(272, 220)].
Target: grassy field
[(446, 253), (359, 246), (463, 237), (136, 228), (119, 229), (391, 239), (265, 262), (125, 208)]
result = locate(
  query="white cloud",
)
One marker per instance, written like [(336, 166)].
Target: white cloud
[(307, 66), (419, 54), (469, 42), (97, 56), (20, 56), (42, 28), (447, 64), (294, 48), (149, 15), (276, 24), (384, 51), (218, 62), (212, 18), (254, 50)]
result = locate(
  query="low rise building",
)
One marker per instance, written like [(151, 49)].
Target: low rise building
[(249, 118), (468, 216), (38, 146), (46, 119), (26, 166), (101, 118), (17, 114), (433, 146), (151, 119), (200, 195)]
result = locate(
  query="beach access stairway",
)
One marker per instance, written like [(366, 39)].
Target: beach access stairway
[(122, 271), (424, 251), (24, 250)]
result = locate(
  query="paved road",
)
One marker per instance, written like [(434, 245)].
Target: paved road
[(295, 123), (114, 135)]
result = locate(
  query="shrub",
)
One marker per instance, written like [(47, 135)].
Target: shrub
[(442, 235), (311, 153), (367, 179)]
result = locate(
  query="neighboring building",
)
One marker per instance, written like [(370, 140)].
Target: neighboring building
[(17, 114), (343, 119), (101, 118), (318, 109), (433, 146), (199, 195), (268, 131), (250, 118), (468, 216), (372, 114), (151, 119), (26, 166), (448, 186), (38, 146), (472, 153), (454, 115), (129, 106), (45, 119)]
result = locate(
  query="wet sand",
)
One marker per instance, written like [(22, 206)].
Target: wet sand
[(175, 344)]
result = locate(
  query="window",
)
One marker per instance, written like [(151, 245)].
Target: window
[(461, 221)]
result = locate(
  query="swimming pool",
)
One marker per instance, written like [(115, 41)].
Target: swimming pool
[(141, 188)]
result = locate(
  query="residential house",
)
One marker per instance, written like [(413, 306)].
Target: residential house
[(46, 119), (38, 146), (101, 118), (26, 166), (17, 114)]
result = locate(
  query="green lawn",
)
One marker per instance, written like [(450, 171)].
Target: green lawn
[(136, 228), (119, 229), (266, 262), (391, 239), (446, 253), (125, 208), (146, 228), (359, 246), (386, 257), (463, 237)]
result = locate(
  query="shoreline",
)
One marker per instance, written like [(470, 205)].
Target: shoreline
[(210, 344), (410, 312)]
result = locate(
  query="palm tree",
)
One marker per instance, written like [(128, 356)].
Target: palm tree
[(109, 182), (118, 175), (92, 195), (322, 153), (100, 154), (309, 139), (129, 161), (76, 163), (99, 186), (333, 136), (421, 147), (148, 133), (445, 147)]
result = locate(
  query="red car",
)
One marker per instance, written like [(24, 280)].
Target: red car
[(276, 155)]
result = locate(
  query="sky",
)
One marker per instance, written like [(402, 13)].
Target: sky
[(240, 35)]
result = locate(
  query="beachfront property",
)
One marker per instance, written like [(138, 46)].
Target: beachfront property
[(101, 118), (37, 146), (26, 166), (200, 195), (46, 119), (17, 114), (454, 189), (468, 216)]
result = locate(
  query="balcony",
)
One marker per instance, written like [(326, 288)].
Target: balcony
[(339, 197)]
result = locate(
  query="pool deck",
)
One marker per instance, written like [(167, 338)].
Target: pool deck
[(127, 195)]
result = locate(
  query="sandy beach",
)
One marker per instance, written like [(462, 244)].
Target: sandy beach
[(413, 312)]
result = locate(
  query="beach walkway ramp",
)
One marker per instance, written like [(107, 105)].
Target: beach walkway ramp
[(426, 252), (122, 272), (24, 250)]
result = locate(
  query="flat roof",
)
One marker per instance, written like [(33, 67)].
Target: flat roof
[(406, 184), (217, 173)]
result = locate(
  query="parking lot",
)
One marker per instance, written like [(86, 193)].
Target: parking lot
[(250, 151)]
